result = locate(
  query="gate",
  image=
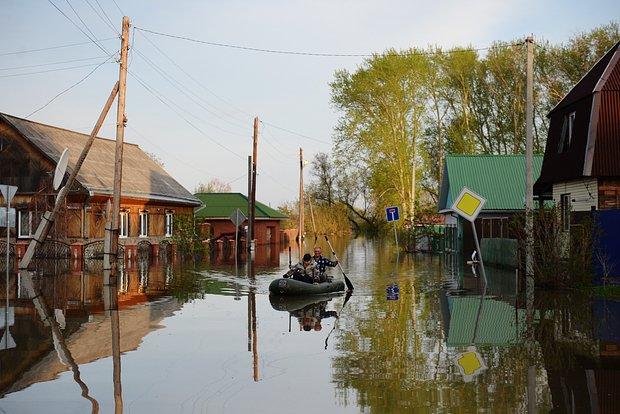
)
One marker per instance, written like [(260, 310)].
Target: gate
[(606, 253)]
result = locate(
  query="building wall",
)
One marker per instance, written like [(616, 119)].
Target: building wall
[(265, 231), (583, 193)]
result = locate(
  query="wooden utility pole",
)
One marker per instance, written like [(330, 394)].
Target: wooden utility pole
[(252, 212), (248, 235), (529, 160), (111, 248), (301, 203)]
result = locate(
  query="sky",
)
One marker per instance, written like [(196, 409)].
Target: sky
[(200, 71)]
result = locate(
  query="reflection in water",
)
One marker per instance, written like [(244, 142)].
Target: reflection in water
[(110, 297), (64, 355), (309, 311), (547, 353)]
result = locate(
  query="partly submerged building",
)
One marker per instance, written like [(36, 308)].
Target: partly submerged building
[(500, 179), (150, 198)]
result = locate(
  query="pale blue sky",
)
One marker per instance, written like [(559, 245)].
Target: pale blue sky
[(193, 104)]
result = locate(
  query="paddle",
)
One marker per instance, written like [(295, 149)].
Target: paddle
[(346, 279)]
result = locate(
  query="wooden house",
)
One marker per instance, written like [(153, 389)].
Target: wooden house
[(218, 207), (150, 199), (500, 179), (581, 168)]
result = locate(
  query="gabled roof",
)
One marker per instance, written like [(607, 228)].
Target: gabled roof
[(593, 81), (222, 205), (500, 179), (142, 177), (594, 142)]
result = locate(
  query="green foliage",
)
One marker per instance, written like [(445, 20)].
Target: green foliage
[(560, 258), (187, 239), (401, 111)]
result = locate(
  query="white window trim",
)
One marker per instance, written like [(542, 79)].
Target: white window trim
[(567, 132), (123, 231), (168, 223), (19, 224), (144, 223)]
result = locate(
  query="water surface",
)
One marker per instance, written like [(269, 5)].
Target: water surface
[(420, 333)]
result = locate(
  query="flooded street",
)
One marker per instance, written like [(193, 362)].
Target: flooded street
[(420, 333)]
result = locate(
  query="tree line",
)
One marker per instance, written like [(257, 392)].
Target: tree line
[(402, 111)]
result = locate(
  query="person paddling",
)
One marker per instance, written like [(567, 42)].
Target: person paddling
[(305, 270), (322, 262)]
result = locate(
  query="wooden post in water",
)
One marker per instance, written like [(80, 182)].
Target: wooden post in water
[(301, 204)]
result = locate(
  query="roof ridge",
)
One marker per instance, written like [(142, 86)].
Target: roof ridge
[(10, 119)]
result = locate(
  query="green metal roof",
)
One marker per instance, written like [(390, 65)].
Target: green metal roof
[(484, 321), (500, 179), (222, 205)]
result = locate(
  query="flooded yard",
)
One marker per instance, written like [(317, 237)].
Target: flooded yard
[(420, 333)]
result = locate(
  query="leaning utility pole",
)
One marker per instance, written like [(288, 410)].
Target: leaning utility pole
[(111, 246), (529, 161)]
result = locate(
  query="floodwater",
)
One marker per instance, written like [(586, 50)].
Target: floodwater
[(419, 334)]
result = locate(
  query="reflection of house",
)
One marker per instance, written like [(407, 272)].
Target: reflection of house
[(218, 208), (500, 179), (476, 320), (150, 198), (581, 169)]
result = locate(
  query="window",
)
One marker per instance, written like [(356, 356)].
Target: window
[(123, 230), (567, 132), (24, 224), (565, 211), (169, 221), (144, 223)]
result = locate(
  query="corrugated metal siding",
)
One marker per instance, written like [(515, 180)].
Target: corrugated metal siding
[(500, 179), (583, 193), (607, 150)]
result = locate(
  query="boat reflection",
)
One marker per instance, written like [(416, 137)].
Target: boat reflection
[(309, 311)]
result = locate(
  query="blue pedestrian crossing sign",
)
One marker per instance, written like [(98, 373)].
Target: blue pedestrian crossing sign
[(392, 214)]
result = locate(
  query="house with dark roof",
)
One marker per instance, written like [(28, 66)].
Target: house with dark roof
[(217, 209), (150, 199), (500, 179), (581, 168)]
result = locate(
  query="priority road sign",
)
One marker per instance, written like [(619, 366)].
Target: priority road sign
[(468, 204), (392, 214)]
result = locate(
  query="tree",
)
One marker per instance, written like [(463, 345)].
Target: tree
[(215, 185), (383, 107)]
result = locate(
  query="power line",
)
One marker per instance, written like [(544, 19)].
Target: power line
[(19, 52), (78, 27), (69, 88), (47, 71), (52, 63), (315, 54), (253, 49)]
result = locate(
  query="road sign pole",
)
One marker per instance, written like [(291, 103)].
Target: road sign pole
[(395, 234), (484, 275)]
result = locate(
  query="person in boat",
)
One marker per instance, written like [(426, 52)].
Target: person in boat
[(305, 270), (322, 262)]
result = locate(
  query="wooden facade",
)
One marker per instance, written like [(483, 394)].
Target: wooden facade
[(150, 197)]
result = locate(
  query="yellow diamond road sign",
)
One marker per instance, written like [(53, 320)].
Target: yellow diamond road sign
[(468, 204)]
